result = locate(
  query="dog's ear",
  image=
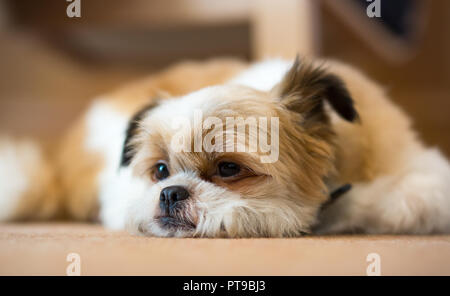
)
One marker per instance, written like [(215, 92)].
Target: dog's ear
[(131, 132), (305, 87)]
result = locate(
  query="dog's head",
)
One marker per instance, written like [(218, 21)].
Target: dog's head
[(231, 161)]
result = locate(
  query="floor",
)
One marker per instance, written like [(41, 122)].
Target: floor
[(42, 249)]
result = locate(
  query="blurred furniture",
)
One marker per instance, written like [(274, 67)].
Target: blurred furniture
[(276, 27), (285, 28)]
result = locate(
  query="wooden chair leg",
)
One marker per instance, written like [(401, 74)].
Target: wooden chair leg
[(284, 28)]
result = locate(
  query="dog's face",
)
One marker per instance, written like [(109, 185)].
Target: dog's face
[(262, 176)]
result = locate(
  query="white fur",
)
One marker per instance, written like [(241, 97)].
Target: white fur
[(416, 200), (17, 161), (106, 134)]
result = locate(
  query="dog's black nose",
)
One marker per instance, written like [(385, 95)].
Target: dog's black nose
[(170, 195)]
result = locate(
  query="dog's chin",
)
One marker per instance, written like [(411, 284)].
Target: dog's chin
[(167, 226), (174, 224)]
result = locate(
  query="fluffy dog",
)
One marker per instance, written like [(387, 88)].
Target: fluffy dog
[(328, 125)]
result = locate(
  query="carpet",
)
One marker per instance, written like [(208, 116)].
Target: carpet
[(43, 249)]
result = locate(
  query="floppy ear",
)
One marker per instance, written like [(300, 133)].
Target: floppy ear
[(132, 129), (305, 87)]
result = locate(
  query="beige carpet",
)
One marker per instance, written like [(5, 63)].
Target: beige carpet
[(42, 249)]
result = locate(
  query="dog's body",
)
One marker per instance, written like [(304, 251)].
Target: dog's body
[(398, 185)]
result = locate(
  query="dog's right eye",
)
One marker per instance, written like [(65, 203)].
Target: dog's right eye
[(160, 171), (228, 169)]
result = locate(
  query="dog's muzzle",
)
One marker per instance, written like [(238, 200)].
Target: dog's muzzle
[(171, 203)]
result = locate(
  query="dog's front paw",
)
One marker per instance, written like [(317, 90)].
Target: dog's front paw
[(339, 218)]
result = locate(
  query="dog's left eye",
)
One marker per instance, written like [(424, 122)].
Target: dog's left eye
[(161, 171), (228, 169)]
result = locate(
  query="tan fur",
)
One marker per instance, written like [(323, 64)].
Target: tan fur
[(371, 148), (77, 170)]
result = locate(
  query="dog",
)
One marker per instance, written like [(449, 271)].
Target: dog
[(342, 157)]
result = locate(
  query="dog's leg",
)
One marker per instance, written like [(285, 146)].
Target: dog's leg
[(416, 200), (27, 184)]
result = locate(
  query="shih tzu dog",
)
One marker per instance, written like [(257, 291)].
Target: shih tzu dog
[(224, 149)]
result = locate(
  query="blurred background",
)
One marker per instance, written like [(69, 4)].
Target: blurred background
[(52, 65)]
